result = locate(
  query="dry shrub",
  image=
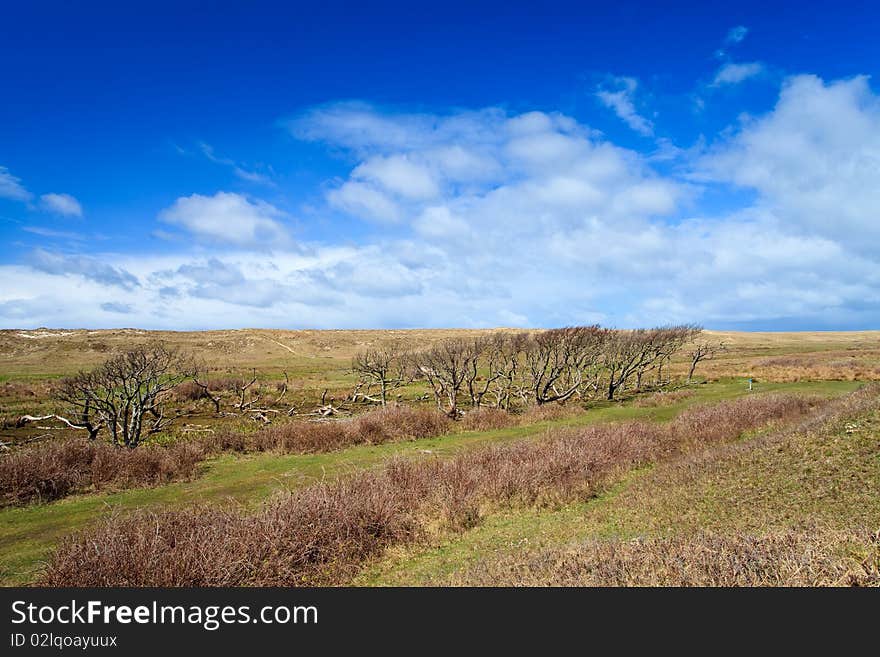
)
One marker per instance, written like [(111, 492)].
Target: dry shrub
[(20, 389), (309, 537), (52, 470), (816, 367), (661, 398), (399, 422), (226, 384), (189, 391), (714, 423), (487, 419), (794, 557), (55, 469), (323, 533), (391, 423)]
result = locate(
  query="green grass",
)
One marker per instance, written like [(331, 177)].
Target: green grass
[(830, 477), (27, 534)]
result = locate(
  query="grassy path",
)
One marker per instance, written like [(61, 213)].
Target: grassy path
[(28, 533)]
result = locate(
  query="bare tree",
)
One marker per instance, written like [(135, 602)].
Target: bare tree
[(504, 353), (703, 351), (447, 367), (556, 361), (625, 353), (126, 393), (384, 367), (200, 379), (661, 344)]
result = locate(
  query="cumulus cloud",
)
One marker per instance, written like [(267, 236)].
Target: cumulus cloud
[(63, 204), (11, 187), (734, 73), (228, 218), (814, 159), (365, 201), (620, 98), (399, 175)]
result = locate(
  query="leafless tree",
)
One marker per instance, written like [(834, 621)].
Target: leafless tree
[(556, 361), (200, 378), (447, 366), (125, 394), (504, 358), (661, 344), (703, 351), (384, 367), (624, 354), (487, 361)]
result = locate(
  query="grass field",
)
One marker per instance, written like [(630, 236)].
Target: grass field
[(823, 479), (647, 502)]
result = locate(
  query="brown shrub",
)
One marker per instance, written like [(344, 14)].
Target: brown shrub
[(488, 419), (399, 422), (52, 470), (550, 412), (303, 538), (322, 534), (388, 424), (55, 469), (20, 389), (189, 391), (717, 422), (816, 367), (227, 384), (795, 557)]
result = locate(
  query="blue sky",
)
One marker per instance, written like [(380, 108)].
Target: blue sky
[(220, 165)]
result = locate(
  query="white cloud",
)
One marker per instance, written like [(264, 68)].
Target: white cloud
[(814, 160), (734, 73), (253, 176), (620, 99), (533, 219), (364, 129), (228, 218), (239, 170), (398, 175), (117, 307), (63, 204), (11, 187), (364, 200), (90, 268)]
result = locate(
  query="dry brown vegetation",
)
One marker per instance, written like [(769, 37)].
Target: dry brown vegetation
[(54, 469), (833, 366), (324, 533), (808, 556), (378, 426), (796, 507)]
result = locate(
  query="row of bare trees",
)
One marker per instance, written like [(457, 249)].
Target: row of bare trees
[(504, 369), (127, 394)]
